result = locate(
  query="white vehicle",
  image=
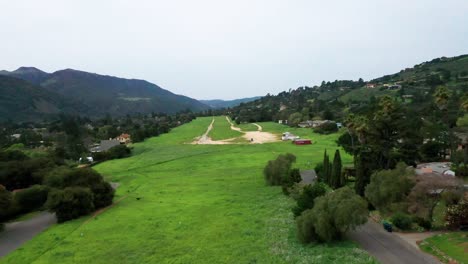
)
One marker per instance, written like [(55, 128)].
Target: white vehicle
[(288, 136)]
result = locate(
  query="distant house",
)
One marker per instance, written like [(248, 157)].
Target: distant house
[(105, 145), (339, 125), (285, 122), (305, 124), (124, 138), (371, 85)]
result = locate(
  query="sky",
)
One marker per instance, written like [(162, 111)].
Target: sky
[(209, 49)]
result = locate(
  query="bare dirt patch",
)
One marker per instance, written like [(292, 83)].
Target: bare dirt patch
[(254, 137)]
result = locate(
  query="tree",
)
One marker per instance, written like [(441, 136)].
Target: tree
[(337, 178), (388, 189), (333, 214), (306, 198), (5, 201), (326, 168), (31, 198), (70, 203), (86, 178), (426, 194), (295, 119), (277, 172)]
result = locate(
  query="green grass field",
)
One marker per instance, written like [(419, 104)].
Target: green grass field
[(183, 203), (451, 245), (222, 129)]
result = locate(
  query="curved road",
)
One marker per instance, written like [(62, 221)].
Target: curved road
[(387, 247), (17, 233)]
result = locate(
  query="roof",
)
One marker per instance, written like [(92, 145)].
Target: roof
[(108, 144), (125, 135)]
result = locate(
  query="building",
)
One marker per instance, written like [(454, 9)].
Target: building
[(105, 145), (302, 142), (371, 85), (124, 138)]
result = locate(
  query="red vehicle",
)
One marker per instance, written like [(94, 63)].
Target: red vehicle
[(302, 142)]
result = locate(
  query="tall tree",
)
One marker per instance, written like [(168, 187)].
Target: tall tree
[(337, 179)]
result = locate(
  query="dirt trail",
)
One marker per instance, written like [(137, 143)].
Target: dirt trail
[(254, 137), (258, 126)]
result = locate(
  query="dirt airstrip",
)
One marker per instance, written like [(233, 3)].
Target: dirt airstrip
[(254, 137)]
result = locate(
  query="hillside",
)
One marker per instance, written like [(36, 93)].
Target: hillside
[(23, 101), (107, 94), (218, 103), (413, 86)]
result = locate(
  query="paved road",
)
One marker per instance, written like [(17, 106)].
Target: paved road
[(17, 233), (308, 176), (387, 247)]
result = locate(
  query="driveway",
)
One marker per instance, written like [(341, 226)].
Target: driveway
[(17, 233), (388, 247)]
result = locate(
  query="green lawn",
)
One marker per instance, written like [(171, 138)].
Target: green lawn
[(451, 245), (222, 129), (247, 127), (186, 203)]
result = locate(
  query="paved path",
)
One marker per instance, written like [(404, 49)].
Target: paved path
[(388, 247), (17, 233)]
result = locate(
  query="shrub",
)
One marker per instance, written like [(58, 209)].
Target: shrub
[(306, 198), (389, 187), (31, 198), (63, 177), (5, 202), (332, 215), (70, 203), (277, 171), (457, 215), (118, 152), (326, 128), (422, 222), (319, 171), (452, 197), (402, 221), (305, 228)]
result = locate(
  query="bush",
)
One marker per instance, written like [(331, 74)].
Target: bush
[(31, 198), (424, 223), (306, 198), (457, 215), (326, 128), (70, 203), (63, 177), (402, 221), (5, 202), (277, 172), (118, 152), (305, 228), (332, 215), (319, 171), (452, 197)]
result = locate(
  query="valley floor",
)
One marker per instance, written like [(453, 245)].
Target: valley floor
[(190, 203)]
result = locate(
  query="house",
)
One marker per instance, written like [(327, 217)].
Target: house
[(305, 124), (302, 142), (285, 122), (371, 85), (105, 145), (124, 138)]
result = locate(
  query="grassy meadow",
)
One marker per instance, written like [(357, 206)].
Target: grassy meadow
[(184, 203), (448, 246)]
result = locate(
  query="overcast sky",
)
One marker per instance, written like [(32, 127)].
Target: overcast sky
[(231, 49)]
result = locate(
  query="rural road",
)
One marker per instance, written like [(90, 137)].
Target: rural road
[(17, 233), (387, 247)]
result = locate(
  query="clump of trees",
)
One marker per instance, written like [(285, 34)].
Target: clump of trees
[(326, 128), (279, 172), (331, 173), (331, 216), (388, 189)]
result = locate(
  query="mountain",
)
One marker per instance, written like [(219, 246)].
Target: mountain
[(413, 86), (23, 101), (102, 94), (218, 103)]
